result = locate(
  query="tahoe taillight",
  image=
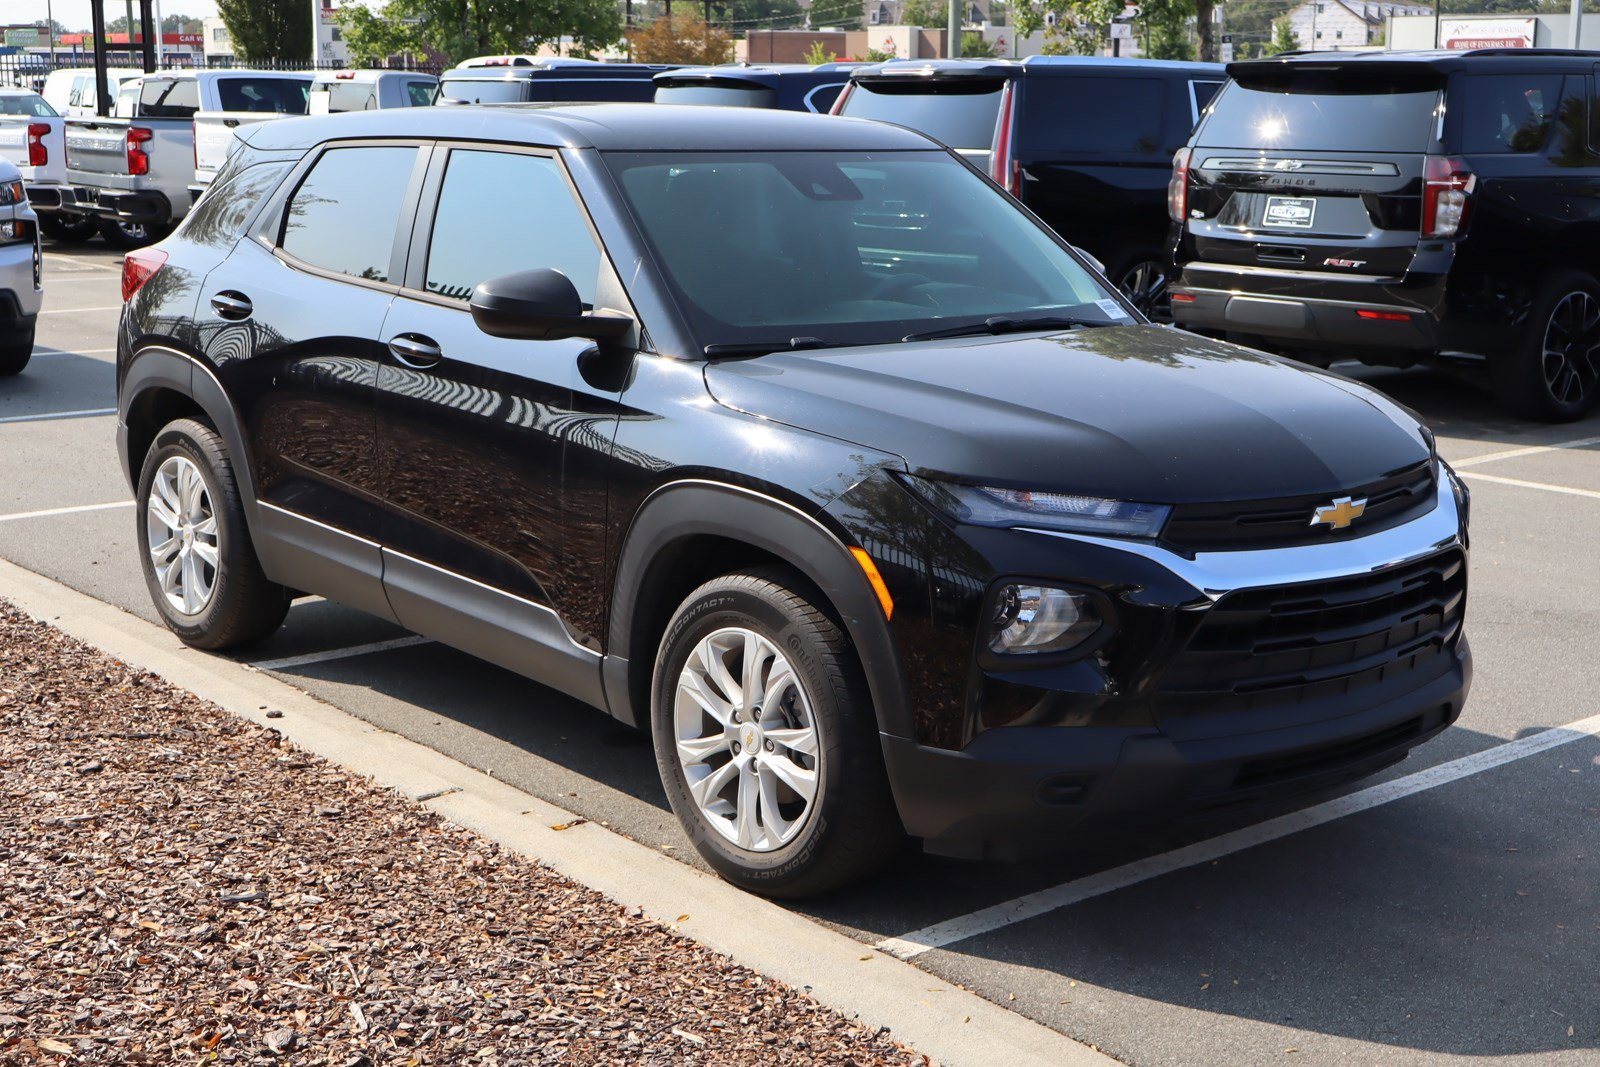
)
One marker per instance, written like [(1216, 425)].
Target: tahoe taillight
[(1178, 186), (1446, 194), (138, 158), (38, 154), (138, 267), (1004, 167)]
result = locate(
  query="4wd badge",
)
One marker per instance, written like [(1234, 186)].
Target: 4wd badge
[(1290, 212)]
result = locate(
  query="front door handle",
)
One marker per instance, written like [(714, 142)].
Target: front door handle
[(233, 306), (415, 351)]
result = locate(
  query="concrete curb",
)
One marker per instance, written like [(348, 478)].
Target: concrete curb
[(939, 1019)]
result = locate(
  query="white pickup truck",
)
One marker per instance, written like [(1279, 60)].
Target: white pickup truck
[(134, 173), (32, 138)]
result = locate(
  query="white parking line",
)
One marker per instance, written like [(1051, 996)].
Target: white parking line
[(76, 311), (47, 416), (338, 653), (87, 276), (1519, 483), (987, 920), (72, 352), (85, 264), (1530, 450), (48, 512)]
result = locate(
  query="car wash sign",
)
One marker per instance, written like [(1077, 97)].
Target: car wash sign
[(1462, 34)]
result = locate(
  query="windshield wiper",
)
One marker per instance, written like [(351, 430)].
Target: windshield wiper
[(761, 348), (1004, 324)]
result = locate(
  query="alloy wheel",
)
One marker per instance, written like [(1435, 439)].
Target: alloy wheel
[(746, 739), (1571, 359), (181, 535), (1145, 283)]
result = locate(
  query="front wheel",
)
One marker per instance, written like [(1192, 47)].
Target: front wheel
[(199, 563), (1554, 375), (15, 353), (766, 739)]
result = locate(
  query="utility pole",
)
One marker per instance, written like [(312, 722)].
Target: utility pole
[(1577, 24), (954, 29), (316, 32), (50, 17)]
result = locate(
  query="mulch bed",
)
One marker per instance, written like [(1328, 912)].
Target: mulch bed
[(183, 886)]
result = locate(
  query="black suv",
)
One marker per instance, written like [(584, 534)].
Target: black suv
[(1394, 207), (1085, 142), (522, 81), (786, 86), (877, 528)]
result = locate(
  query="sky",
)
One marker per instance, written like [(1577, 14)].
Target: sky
[(74, 14)]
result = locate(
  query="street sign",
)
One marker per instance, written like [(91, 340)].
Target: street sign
[(1121, 31), (22, 37), (1227, 48)]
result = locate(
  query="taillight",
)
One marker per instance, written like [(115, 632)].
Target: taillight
[(139, 267), (1003, 168), (138, 158), (38, 154), (1178, 186), (1446, 194), (838, 101)]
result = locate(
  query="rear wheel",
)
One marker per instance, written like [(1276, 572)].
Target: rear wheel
[(766, 739), (120, 233), (15, 353), (61, 226), (199, 563), (1145, 280), (1554, 375)]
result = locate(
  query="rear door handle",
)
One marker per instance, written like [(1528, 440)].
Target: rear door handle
[(415, 351), (233, 306)]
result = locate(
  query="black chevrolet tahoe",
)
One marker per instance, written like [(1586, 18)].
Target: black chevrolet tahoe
[(879, 527), (1399, 208), (1085, 142)]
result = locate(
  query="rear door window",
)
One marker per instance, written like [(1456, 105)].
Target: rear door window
[(1201, 94), (342, 218), (1508, 113), (1115, 115), (419, 93), (276, 96), (169, 98), (475, 238), (1270, 119), (627, 90), (960, 112)]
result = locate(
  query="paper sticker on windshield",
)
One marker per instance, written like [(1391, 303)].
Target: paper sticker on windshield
[(1112, 308), (1293, 212)]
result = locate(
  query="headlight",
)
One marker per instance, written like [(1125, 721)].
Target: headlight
[(1034, 619), (986, 506), (12, 193)]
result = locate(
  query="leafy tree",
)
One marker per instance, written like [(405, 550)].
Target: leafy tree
[(682, 38), (268, 31), (181, 24), (463, 28), (845, 14), (931, 14), (1284, 39), (816, 55), (973, 46)]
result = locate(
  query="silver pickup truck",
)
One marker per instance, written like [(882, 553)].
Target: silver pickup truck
[(33, 139), (133, 172)]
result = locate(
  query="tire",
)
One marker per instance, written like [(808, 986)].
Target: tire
[(127, 236), (226, 601), (1554, 374), (69, 228), (1146, 280), (818, 729), (14, 355)]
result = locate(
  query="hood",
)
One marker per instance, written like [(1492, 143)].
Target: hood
[(1140, 413)]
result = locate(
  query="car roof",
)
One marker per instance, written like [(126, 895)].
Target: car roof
[(1442, 60), (760, 73), (368, 74), (610, 127), (1033, 67), (586, 71)]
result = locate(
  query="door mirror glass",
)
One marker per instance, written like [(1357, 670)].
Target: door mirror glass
[(540, 305)]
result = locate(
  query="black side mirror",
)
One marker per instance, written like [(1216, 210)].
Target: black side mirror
[(540, 305)]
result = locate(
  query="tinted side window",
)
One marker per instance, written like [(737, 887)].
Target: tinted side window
[(1508, 112), (1092, 115), (276, 96), (343, 216), (475, 237), (627, 90), (419, 93), (1203, 92), (169, 98), (219, 218)]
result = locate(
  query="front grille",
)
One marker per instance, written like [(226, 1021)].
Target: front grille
[(1283, 521), (1259, 649)]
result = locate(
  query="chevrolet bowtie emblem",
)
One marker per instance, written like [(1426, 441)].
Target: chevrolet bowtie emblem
[(1339, 514)]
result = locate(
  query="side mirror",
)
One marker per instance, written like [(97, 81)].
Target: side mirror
[(540, 305), (1093, 261)]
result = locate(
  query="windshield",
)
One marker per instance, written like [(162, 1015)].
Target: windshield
[(30, 104), (483, 90), (846, 247), (1376, 119), (960, 112), (276, 96)]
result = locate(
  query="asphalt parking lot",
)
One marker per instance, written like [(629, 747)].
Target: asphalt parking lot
[(1444, 911)]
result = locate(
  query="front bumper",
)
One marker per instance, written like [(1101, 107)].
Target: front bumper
[(1065, 766)]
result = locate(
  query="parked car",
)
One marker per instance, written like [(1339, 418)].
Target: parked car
[(335, 92), (21, 276), (133, 171), (32, 138), (70, 91), (1399, 208), (1084, 142), (786, 86), (874, 528), (510, 80)]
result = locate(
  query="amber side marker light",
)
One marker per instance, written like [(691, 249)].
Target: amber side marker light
[(870, 569)]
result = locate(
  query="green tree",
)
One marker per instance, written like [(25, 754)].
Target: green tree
[(268, 31), (845, 14), (817, 55), (463, 28), (181, 24), (931, 14), (973, 46), (1284, 38)]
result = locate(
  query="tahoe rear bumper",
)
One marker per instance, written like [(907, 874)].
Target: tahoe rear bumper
[(1310, 321)]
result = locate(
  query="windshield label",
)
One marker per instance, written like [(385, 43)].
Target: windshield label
[(1112, 308), (1294, 212)]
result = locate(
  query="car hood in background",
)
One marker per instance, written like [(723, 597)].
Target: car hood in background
[(1134, 412)]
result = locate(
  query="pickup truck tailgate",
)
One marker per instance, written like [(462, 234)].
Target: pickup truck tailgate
[(96, 147)]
